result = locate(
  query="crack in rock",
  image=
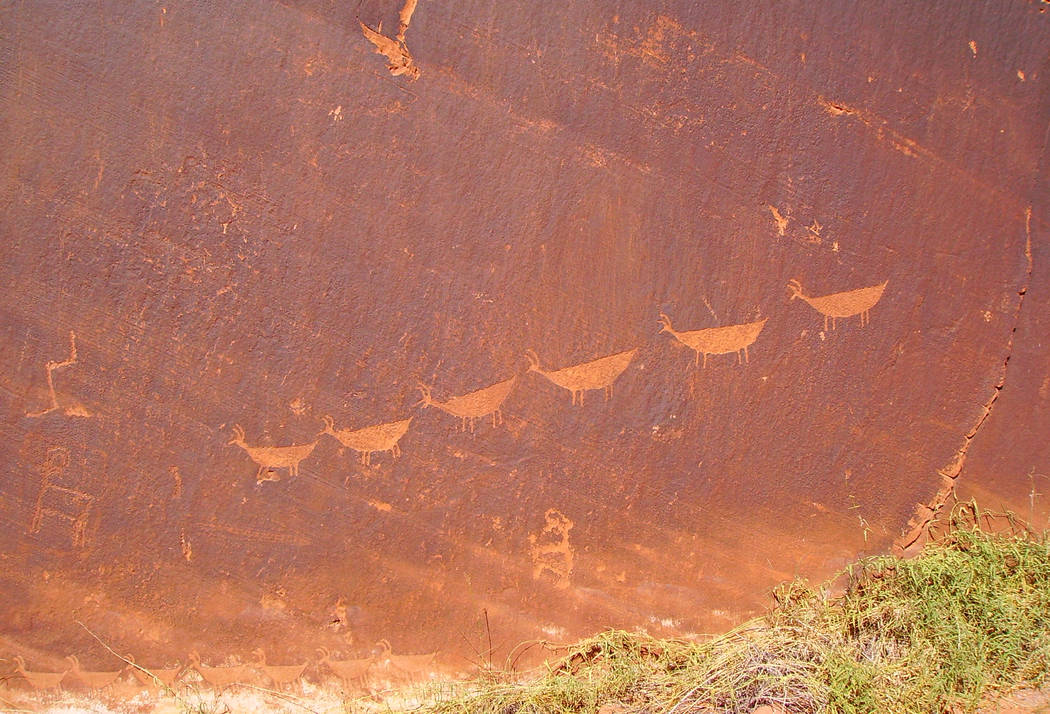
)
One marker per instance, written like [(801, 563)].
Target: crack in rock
[(912, 538)]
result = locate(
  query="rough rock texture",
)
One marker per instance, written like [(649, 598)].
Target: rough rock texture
[(222, 225)]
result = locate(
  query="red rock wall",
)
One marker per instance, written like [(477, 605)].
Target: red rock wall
[(243, 218)]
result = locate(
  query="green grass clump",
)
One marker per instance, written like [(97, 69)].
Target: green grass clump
[(968, 617)]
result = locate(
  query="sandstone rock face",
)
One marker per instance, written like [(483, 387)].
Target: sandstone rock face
[(519, 321)]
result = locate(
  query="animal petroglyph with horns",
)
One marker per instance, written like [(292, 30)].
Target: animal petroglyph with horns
[(474, 405), (717, 340), (844, 304), (579, 378), (370, 439)]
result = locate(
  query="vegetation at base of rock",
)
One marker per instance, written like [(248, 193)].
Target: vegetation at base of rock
[(967, 618)]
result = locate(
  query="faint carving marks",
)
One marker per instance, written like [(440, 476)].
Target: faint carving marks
[(550, 549)]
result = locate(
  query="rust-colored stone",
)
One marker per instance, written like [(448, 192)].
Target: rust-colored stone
[(234, 244)]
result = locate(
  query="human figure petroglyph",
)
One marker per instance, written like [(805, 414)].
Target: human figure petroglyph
[(61, 502), (370, 439), (717, 340), (844, 304), (596, 374), (272, 457), (75, 409), (474, 405)]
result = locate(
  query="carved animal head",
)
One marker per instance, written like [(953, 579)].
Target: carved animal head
[(20, 664), (238, 436), (383, 648), (665, 321), (329, 425), (796, 289), (260, 656), (74, 663), (323, 655)]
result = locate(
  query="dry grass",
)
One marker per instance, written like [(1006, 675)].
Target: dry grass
[(968, 617)]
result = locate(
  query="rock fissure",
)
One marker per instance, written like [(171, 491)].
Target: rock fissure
[(926, 512)]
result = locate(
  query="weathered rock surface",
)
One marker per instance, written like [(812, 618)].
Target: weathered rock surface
[(222, 225)]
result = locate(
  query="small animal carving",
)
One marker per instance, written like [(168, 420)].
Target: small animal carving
[(474, 405), (94, 680), (596, 374), (349, 671), (272, 457), (844, 304), (717, 340), (399, 59), (280, 675), (156, 679), (39, 680), (222, 676), (370, 439), (409, 666)]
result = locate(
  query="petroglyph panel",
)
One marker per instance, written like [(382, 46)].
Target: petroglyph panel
[(452, 305)]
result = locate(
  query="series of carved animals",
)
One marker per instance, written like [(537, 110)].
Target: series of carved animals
[(576, 379)]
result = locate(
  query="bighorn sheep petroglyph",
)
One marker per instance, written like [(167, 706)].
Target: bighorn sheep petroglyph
[(94, 680), (717, 340), (370, 439), (474, 405), (222, 676), (280, 675), (349, 671), (38, 680), (596, 374), (844, 304), (404, 665), (272, 457), (155, 679)]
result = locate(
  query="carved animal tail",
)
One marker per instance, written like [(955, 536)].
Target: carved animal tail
[(534, 360), (427, 400)]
